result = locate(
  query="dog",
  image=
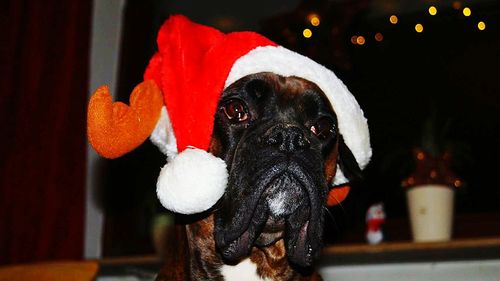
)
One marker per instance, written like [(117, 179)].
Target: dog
[(279, 138)]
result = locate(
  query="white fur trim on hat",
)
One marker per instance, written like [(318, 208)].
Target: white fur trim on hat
[(192, 182), (351, 121), (163, 135)]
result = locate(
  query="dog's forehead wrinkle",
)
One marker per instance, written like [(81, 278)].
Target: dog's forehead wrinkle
[(304, 109), (288, 116)]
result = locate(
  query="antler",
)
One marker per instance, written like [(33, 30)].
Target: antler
[(114, 129)]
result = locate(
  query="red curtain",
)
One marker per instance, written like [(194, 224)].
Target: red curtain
[(43, 92)]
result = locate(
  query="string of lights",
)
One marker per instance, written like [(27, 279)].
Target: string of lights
[(314, 21)]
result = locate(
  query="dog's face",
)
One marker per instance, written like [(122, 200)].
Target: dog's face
[(280, 141)]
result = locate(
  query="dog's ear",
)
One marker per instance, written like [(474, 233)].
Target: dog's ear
[(347, 162)]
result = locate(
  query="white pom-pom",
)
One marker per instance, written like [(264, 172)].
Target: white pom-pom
[(192, 182)]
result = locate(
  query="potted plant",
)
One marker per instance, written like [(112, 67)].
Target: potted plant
[(430, 188)]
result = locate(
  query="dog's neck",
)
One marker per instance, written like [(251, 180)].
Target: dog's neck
[(193, 256), (265, 264)]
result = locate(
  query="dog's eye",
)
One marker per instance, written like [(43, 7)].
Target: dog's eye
[(235, 111), (324, 128)]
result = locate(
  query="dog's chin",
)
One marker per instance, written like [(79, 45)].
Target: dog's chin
[(285, 209), (272, 232)]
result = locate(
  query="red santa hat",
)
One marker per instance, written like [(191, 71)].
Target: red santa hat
[(192, 67)]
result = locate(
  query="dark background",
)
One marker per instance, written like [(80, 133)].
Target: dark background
[(449, 72)]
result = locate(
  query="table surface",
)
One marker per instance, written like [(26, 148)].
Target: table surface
[(390, 252)]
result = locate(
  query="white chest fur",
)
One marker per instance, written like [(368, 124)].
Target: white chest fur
[(246, 270)]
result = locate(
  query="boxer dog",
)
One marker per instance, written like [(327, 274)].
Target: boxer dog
[(279, 138)]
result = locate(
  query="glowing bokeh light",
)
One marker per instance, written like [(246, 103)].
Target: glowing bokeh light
[(420, 156), (419, 28), (353, 39), (466, 11), (456, 5), (411, 181), (393, 19), (379, 37), (481, 25), (433, 10), (315, 21), (307, 33), (360, 40)]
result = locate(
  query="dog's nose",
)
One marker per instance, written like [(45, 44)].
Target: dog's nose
[(288, 138)]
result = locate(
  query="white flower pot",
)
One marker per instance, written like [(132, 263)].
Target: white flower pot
[(431, 212)]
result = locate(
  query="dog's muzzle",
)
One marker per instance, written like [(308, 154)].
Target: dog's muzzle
[(276, 190)]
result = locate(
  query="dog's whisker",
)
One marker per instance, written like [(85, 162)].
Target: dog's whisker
[(339, 203), (330, 215), (217, 208)]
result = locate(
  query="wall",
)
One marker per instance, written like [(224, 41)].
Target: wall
[(433, 271), (105, 42)]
